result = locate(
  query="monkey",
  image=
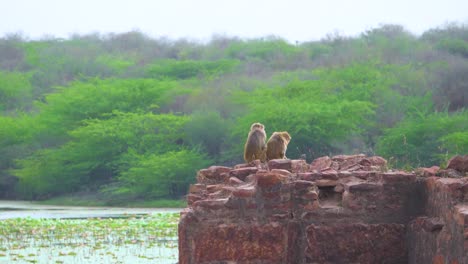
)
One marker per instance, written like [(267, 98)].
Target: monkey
[(255, 146), (277, 145)]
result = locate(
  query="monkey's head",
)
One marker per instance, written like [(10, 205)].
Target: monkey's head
[(285, 135), (257, 126)]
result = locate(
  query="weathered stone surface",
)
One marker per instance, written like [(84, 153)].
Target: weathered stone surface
[(191, 198), (311, 195), (344, 209), (329, 174), (244, 191), (321, 163), (378, 162), (458, 163), (235, 181), (427, 172), (214, 204), (303, 185), (283, 164), (354, 163), (356, 243), (239, 243), (212, 175), (197, 188), (450, 173), (268, 180), (299, 166), (326, 183), (213, 188), (398, 177), (309, 176), (242, 173), (282, 172)]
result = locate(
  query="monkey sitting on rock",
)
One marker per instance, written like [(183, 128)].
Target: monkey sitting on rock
[(255, 147), (277, 145)]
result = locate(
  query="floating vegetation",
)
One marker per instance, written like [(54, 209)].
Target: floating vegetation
[(136, 239)]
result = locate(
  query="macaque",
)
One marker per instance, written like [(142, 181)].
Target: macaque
[(277, 145), (255, 147)]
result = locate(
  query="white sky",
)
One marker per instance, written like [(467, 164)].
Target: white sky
[(300, 20)]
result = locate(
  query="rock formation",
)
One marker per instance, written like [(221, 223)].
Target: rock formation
[(343, 209)]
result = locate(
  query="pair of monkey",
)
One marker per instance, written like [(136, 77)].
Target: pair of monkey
[(256, 148)]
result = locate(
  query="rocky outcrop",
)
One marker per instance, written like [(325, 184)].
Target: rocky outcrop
[(342, 209)]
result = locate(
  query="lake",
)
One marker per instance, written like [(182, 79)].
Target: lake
[(33, 233)]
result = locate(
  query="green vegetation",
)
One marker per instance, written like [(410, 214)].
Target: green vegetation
[(124, 240), (123, 119)]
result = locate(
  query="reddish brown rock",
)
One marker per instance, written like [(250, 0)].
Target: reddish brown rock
[(244, 192), (351, 243), (269, 179), (326, 183), (321, 163), (362, 187), (449, 173), (311, 195), (235, 181), (282, 172), (378, 162), (398, 177), (303, 185), (427, 172), (309, 176), (214, 204), (212, 175), (458, 163), (213, 188), (283, 164), (358, 163), (191, 198), (339, 188), (343, 158), (299, 166), (197, 188), (348, 161), (329, 175), (240, 243), (242, 173), (279, 213)]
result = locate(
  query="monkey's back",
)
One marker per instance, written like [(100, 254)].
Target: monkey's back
[(255, 146), (276, 148)]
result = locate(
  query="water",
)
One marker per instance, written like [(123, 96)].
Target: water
[(22, 209), (32, 233)]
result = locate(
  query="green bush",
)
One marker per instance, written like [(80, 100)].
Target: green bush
[(164, 175), (16, 92), (208, 131), (98, 151), (186, 69), (425, 140)]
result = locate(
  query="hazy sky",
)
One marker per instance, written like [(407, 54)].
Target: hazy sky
[(200, 19)]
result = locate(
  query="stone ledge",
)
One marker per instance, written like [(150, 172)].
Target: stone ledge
[(343, 209)]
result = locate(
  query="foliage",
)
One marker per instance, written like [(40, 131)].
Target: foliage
[(315, 122), (129, 118), (149, 238), (207, 130), (164, 175), (15, 90), (96, 98), (425, 140), (185, 69), (97, 151)]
